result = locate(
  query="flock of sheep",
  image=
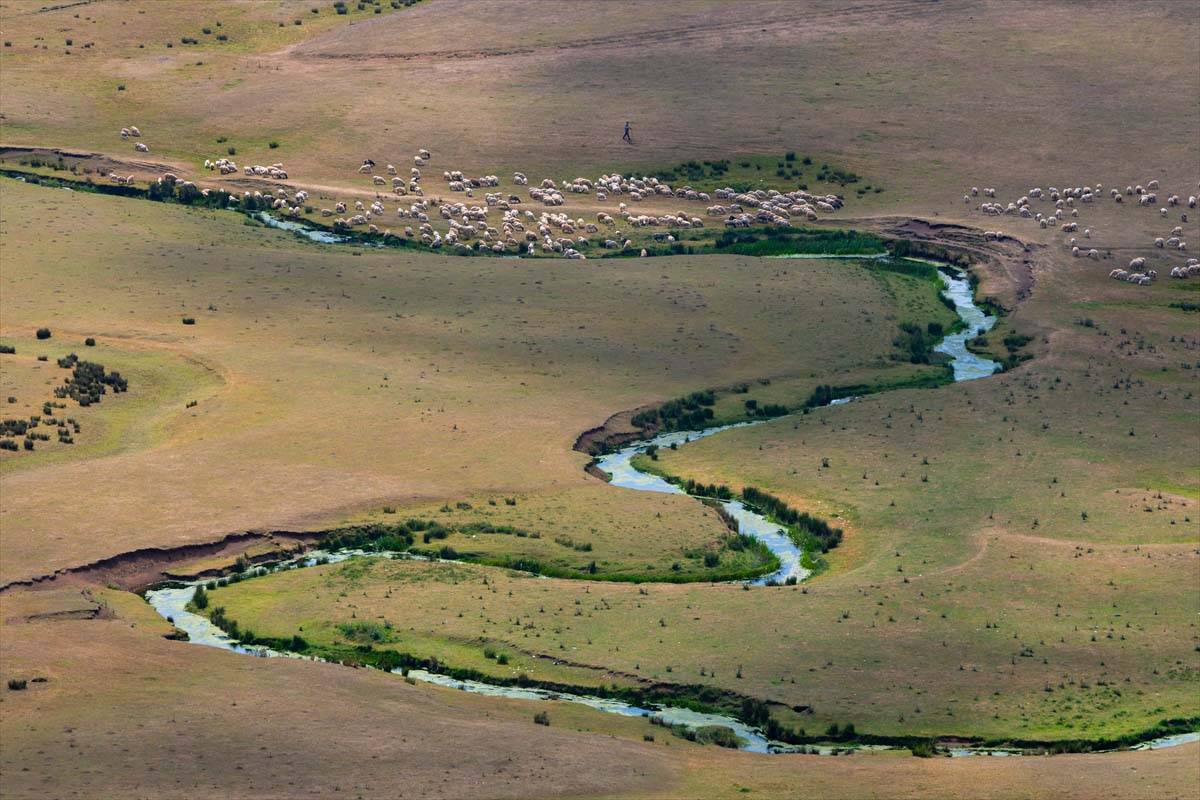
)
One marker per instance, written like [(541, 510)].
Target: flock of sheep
[(470, 227), (555, 232), (1065, 201), (516, 230)]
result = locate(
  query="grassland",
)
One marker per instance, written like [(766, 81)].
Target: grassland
[(338, 385), (312, 339)]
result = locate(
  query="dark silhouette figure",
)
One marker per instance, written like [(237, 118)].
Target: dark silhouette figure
[(626, 137)]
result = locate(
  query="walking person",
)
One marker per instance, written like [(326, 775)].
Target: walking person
[(626, 137)]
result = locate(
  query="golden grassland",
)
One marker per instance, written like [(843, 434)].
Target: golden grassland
[(999, 92), (351, 380), (332, 382)]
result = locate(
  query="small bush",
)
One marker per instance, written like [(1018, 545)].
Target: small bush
[(232, 151), (189, 320), (207, 31), (7, 348), (222, 37), (89, 342), (542, 718), (43, 333), (19, 685), (120, 87)]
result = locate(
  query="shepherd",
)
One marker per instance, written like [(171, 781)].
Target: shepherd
[(626, 137)]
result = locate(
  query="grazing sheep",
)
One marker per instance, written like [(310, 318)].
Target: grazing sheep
[(1137, 263), (140, 147), (1158, 241), (1152, 185)]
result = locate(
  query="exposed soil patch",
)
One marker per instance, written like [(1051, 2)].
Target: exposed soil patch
[(141, 568)]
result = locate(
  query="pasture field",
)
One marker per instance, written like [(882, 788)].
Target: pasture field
[(1020, 559), (475, 386)]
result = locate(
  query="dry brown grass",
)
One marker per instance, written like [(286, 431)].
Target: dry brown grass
[(295, 427)]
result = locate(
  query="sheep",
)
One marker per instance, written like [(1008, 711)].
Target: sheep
[(1137, 263), (1191, 201), (133, 131), (1152, 185), (1158, 241), (1093, 254), (423, 153), (378, 180), (141, 147), (418, 161)]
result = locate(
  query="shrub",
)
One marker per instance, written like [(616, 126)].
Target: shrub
[(207, 31), (19, 684), (120, 87), (43, 333), (274, 144), (790, 156), (222, 37), (923, 749), (189, 320), (7, 348), (542, 718), (200, 598), (232, 151)]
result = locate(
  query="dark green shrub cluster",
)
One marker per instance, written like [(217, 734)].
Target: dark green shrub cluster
[(88, 381), (773, 241), (914, 344), (7, 348), (43, 333), (686, 413), (813, 530), (376, 537), (753, 409)]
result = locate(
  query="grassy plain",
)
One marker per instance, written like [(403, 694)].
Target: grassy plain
[(334, 382), (473, 386)]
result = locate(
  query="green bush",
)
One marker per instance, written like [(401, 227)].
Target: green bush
[(43, 333)]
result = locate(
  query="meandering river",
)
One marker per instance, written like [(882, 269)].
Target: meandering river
[(171, 602)]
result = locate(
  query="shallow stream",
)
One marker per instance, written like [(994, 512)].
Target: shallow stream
[(171, 602)]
